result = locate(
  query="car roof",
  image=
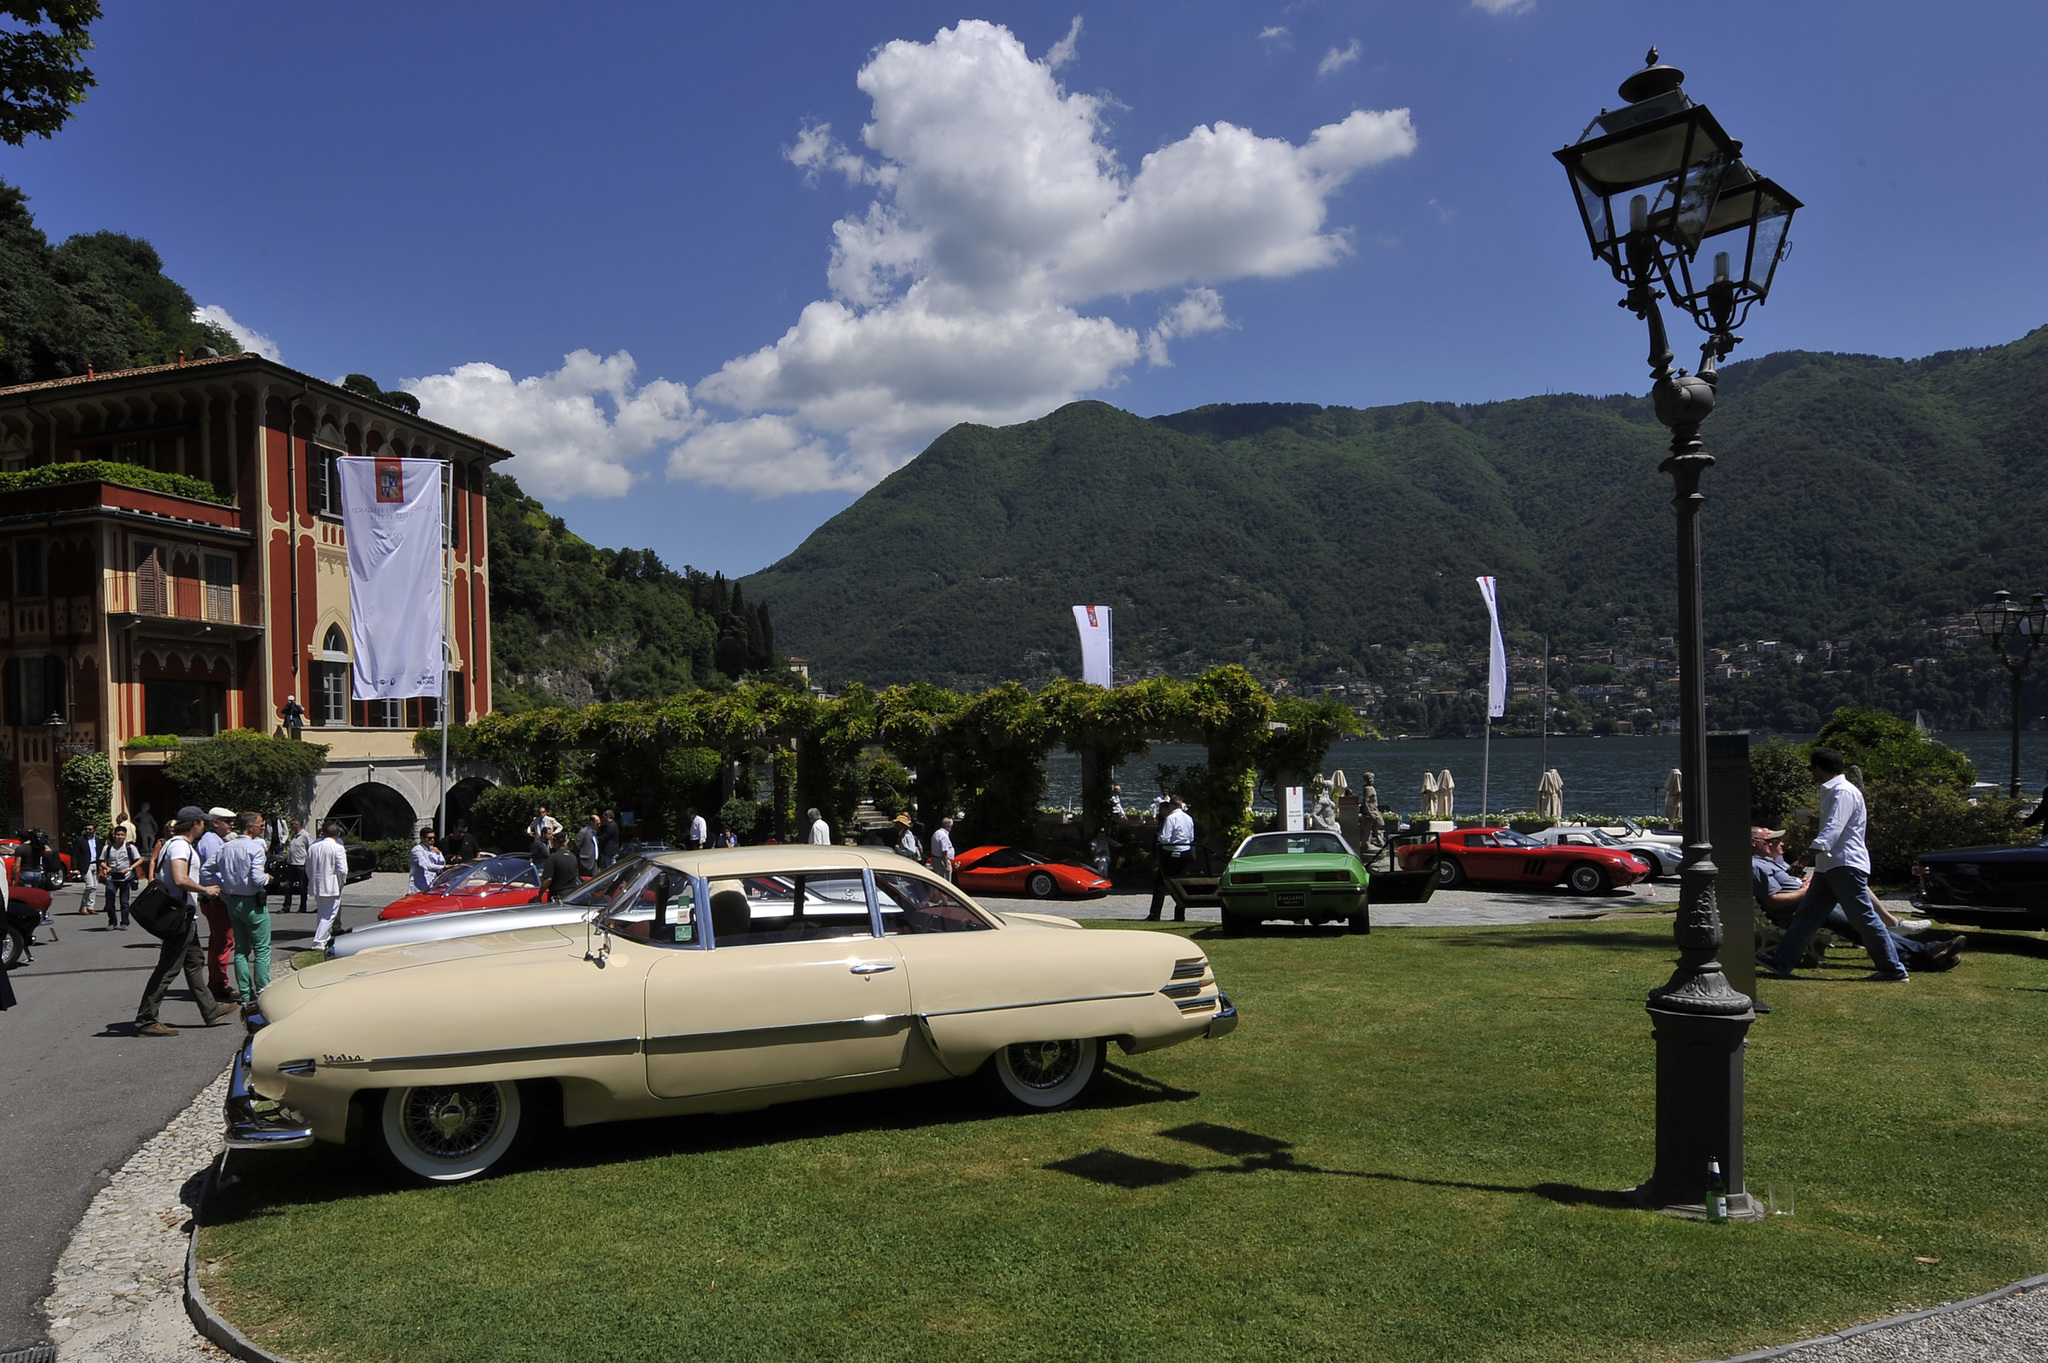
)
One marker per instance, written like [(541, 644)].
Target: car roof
[(727, 863)]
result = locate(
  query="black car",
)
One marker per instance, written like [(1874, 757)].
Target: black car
[(1986, 887), (362, 864)]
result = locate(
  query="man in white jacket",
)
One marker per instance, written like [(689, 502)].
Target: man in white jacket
[(1841, 877), (326, 873), (821, 835)]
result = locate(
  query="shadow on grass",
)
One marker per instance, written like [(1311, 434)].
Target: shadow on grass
[(1248, 1152), (1988, 942), (256, 1186), (1529, 937)]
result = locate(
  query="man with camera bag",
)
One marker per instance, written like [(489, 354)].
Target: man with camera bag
[(169, 909)]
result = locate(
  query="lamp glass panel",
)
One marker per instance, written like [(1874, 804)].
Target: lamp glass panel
[(1696, 199), (1599, 223), (1767, 244), (1639, 158)]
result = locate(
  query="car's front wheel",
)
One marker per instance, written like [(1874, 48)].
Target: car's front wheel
[(450, 1133), (1043, 1076), (1586, 878), (13, 948), (1040, 885)]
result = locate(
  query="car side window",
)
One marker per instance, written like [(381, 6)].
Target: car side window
[(762, 911), (1000, 861), (658, 906), (1480, 840), (913, 905)]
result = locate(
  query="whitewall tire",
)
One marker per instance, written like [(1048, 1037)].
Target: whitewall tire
[(1044, 1076), (449, 1133)]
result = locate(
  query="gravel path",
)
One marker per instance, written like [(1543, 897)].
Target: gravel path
[(2010, 1330), (118, 1293)]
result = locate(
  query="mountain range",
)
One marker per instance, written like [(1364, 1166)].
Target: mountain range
[(1851, 494)]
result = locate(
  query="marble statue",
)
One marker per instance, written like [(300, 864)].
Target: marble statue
[(1446, 794), (1372, 834), (1550, 796), (1322, 809), (1674, 797)]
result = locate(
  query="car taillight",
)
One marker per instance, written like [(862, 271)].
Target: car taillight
[(1918, 869)]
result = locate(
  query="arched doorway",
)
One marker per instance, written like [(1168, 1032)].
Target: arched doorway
[(371, 811), (462, 797)]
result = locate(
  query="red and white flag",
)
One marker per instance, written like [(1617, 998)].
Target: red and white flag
[(1093, 622), (391, 513)]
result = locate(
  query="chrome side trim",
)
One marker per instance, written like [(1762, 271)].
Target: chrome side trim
[(801, 1033), (1225, 1021), (629, 1045), (1038, 1003), (1182, 991)]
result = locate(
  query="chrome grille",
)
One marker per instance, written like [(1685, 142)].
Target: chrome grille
[(1191, 968)]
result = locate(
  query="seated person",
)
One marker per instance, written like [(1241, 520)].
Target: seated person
[(1779, 892)]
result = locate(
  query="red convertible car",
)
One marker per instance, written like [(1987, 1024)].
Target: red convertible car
[(1014, 871), (1501, 854), (493, 883), (10, 852)]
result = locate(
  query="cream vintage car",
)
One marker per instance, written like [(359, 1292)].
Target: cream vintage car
[(714, 981)]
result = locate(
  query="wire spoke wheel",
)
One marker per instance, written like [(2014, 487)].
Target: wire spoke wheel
[(446, 1133), (1044, 1075)]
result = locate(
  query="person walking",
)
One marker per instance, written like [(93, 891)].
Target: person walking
[(698, 835), (906, 839), (1842, 878), (608, 839), (181, 949), (1176, 842), (1779, 893), (119, 859), (558, 875), (586, 846), (326, 873), (427, 861), (220, 929), (85, 859), (294, 716), (821, 836), (298, 845), (245, 884), (942, 847)]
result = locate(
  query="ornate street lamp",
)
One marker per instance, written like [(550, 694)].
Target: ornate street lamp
[(1658, 181), (2005, 625)]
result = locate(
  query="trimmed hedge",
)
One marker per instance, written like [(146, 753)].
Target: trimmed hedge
[(107, 471)]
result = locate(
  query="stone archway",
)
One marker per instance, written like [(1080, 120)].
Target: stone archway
[(462, 796), (372, 811)]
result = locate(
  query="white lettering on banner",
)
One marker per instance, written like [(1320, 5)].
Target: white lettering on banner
[(391, 513), (1093, 622)]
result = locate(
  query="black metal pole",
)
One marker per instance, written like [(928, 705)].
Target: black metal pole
[(2018, 673), (1700, 1023)]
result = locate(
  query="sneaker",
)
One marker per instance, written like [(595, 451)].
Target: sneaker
[(225, 1010), (156, 1029), (1946, 955), (1877, 977), (1765, 963)]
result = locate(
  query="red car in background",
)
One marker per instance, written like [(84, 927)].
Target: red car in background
[(1014, 871), (493, 883), (10, 853), (1505, 856)]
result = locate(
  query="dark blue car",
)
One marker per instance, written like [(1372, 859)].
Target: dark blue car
[(1986, 887)]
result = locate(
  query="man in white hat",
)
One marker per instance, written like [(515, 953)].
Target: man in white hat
[(220, 929)]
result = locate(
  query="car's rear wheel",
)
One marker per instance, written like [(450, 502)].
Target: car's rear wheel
[(1449, 874), (1040, 885), (450, 1133), (1586, 878), (13, 948), (1043, 1076)]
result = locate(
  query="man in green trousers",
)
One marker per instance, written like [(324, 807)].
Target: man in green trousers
[(244, 882)]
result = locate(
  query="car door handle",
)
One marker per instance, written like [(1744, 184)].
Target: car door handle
[(872, 967)]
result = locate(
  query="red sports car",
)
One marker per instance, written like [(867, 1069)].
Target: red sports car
[(493, 883), (1014, 871), (1501, 854), (10, 852)]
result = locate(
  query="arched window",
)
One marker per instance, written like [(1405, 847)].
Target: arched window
[(330, 674)]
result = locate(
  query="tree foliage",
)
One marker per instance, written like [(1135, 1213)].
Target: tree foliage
[(43, 75), (87, 782), (242, 769)]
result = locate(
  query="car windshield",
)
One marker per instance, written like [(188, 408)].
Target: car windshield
[(1292, 844), (601, 890), (1508, 837), (1594, 836), (496, 871)]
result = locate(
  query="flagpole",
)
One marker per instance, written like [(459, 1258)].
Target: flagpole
[(1485, 768)]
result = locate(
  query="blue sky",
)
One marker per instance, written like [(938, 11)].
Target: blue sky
[(464, 197)]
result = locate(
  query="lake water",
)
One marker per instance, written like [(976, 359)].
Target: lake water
[(1601, 775)]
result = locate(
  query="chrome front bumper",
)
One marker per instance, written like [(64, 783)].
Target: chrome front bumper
[(1225, 1021), (248, 1130)]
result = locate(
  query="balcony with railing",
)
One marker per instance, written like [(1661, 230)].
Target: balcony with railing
[(158, 601)]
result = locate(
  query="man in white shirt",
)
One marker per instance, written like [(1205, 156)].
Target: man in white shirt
[(821, 835), (1842, 877), (220, 929), (699, 834), (1176, 841), (296, 849), (427, 861), (326, 873), (942, 847)]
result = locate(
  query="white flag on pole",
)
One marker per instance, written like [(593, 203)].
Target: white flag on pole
[(391, 514), (1093, 622), (1497, 661)]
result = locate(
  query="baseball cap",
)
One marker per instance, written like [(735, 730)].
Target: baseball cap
[(189, 813)]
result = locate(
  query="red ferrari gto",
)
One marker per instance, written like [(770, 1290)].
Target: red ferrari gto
[(1501, 854), (493, 883), (1014, 871)]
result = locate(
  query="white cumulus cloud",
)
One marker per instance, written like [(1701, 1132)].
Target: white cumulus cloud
[(1275, 33), (995, 215), (1503, 6), (252, 340), (1337, 58), (573, 432)]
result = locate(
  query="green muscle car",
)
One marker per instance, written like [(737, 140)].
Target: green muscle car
[(1308, 877)]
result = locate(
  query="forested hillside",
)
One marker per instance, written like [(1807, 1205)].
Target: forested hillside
[(573, 623), (1852, 494)]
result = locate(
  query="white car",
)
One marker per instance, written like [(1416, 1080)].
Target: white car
[(1662, 857)]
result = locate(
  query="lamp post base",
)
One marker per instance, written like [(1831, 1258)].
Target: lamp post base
[(1699, 1112)]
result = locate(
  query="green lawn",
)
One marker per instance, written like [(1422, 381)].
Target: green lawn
[(1411, 1149)]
